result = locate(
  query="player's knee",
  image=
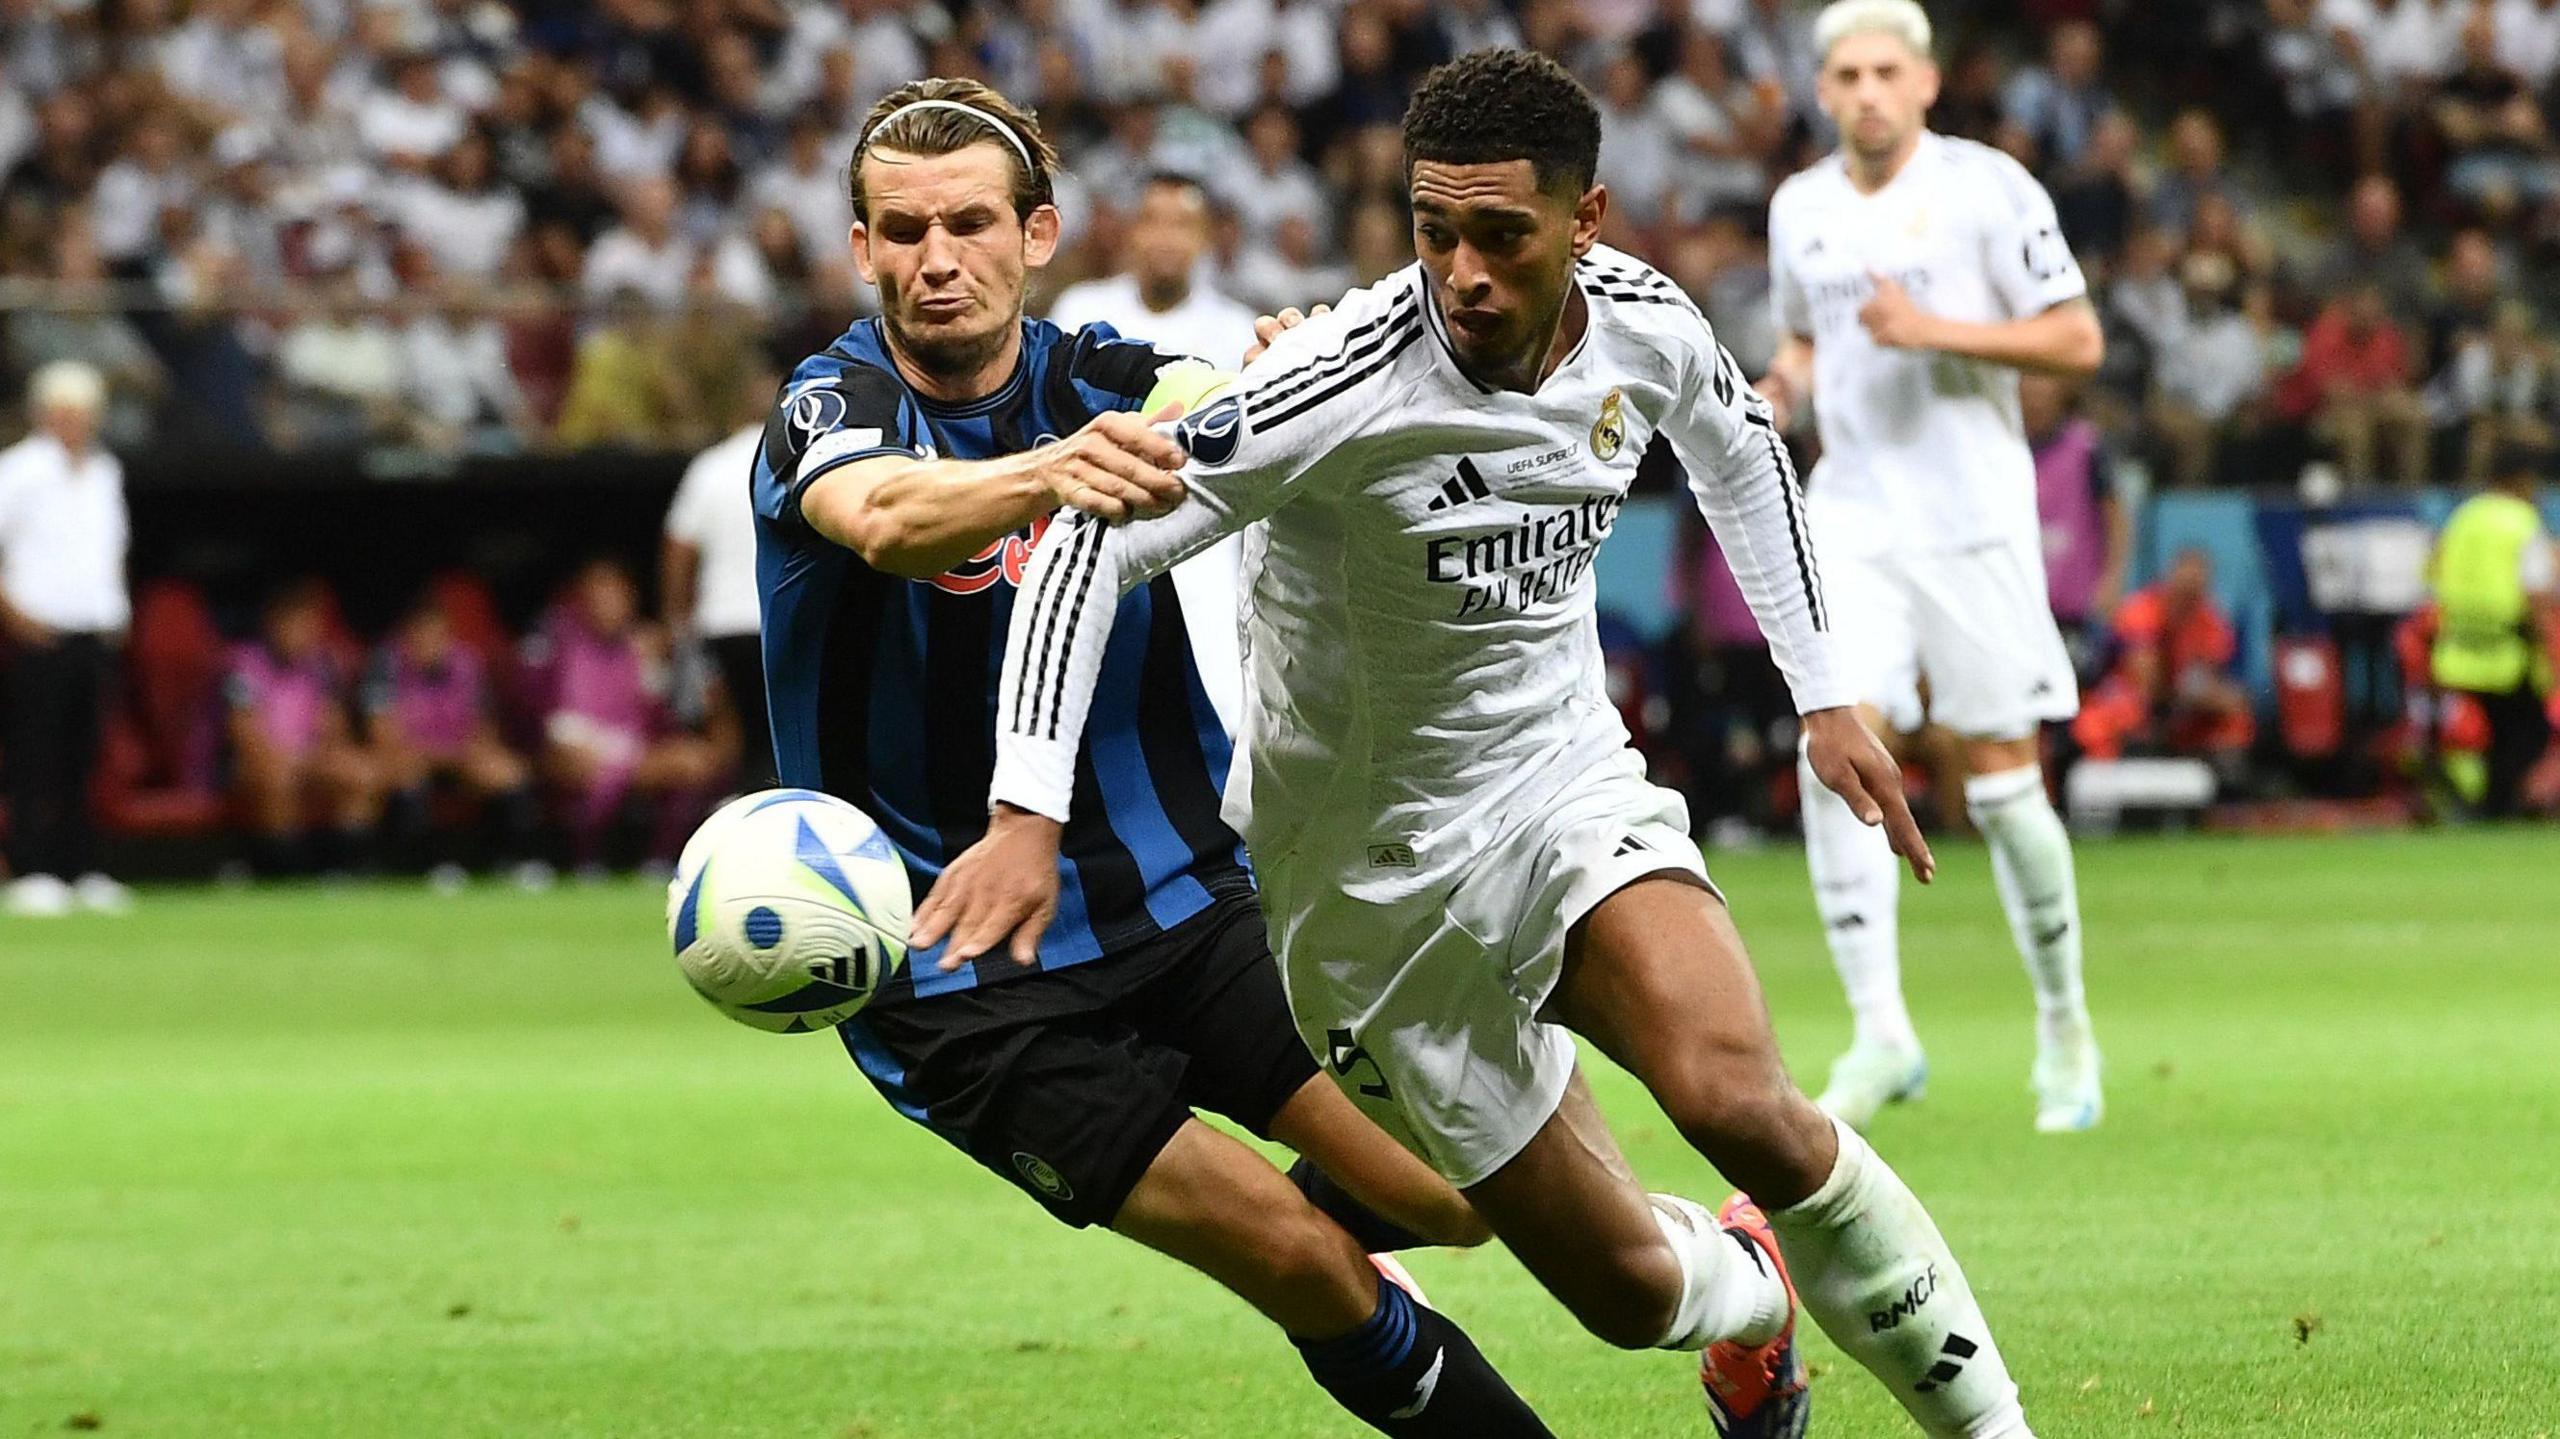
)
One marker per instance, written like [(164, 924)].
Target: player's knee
[(1626, 1297), (1299, 1251), (1732, 1107)]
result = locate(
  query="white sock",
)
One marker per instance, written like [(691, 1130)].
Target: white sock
[(1857, 889), (2031, 860), (1871, 1269), (1727, 1291)]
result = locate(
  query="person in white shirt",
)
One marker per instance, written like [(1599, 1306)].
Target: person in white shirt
[(1459, 855), (646, 252), (64, 611), (707, 572), (2529, 38), (1915, 276), (411, 123), (1162, 297)]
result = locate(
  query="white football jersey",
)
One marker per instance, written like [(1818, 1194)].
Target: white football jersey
[(1422, 659), (1919, 449)]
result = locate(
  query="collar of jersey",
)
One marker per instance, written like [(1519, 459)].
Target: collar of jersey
[(964, 409)]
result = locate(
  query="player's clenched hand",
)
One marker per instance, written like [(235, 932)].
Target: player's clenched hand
[(1893, 319), (1117, 468), (1852, 763), (1003, 890), (1773, 387), (1267, 328)]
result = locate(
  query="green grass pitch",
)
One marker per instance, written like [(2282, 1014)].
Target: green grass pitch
[(376, 1163)]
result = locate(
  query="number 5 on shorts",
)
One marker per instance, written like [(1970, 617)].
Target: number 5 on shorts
[(1345, 1057)]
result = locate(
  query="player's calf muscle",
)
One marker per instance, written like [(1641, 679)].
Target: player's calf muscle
[(1222, 1209)]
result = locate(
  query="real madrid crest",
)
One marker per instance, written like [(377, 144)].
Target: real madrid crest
[(1609, 432)]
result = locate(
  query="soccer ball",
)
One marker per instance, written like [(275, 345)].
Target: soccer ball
[(788, 910)]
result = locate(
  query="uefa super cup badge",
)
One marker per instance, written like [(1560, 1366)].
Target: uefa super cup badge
[(1609, 432)]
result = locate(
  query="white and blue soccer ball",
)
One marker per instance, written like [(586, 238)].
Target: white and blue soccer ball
[(788, 910)]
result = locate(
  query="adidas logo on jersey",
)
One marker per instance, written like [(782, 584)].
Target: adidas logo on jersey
[(1460, 488)]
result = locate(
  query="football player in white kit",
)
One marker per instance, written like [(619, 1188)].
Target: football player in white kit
[(1459, 855), (1915, 276)]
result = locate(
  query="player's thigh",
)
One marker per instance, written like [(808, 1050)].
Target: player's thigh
[(1043, 1080), (1658, 978), (1873, 641), (1568, 1206), (1994, 657), (1217, 999)]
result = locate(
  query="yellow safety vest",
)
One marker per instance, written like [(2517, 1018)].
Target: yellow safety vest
[(2483, 643)]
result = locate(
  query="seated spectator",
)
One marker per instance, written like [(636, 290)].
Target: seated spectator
[(1723, 128), (338, 375), (2493, 124), (598, 679), (83, 325), (1278, 185), (454, 372), (432, 723), (2053, 110), (2319, 84), (2209, 391), (2354, 389), (2499, 384), (308, 792), (2528, 38), (2171, 690), (461, 213), (646, 253), (1637, 155), (2096, 199), (2088, 535), (2474, 281), (626, 388), (412, 121), (2376, 249), (2195, 172)]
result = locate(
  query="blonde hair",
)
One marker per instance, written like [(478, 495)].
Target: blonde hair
[(1904, 20)]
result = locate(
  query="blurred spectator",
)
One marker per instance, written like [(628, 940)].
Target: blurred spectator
[(2195, 172), (2171, 689), (1774, 40), (459, 212), (456, 377), (151, 178), (338, 374), (2054, 110), (1969, 104), (222, 60), (707, 571), (2353, 388), (432, 725), (1278, 186), (83, 326), (626, 389), (2088, 535), (1161, 298), (1637, 157), (598, 677), (2376, 250), (2500, 385), (411, 121), (2474, 282), (1723, 130), (2498, 611), (646, 253), (2500, 140), (64, 611), (2528, 39), (1292, 270), (308, 791), (807, 183), (2207, 394), (2096, 199), (2318, 81)]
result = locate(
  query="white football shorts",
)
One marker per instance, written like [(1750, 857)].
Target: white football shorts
[(1426, 1009), (1975, 623)]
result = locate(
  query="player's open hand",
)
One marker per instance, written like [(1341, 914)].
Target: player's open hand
[(1893, 319), (1853, 764), (1117, 468), (1003, 890), (1268, 328)]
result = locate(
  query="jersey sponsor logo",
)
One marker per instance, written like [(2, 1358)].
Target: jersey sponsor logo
[(1609, 432), (1533, 562), (1212, 435), (1002, 562)]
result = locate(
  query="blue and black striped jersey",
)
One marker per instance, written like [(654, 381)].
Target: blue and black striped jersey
[(883, 689)]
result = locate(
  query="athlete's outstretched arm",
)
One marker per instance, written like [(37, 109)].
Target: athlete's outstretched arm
[(1745, 485)]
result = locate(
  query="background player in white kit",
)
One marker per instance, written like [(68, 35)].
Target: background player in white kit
[(1915, 276), (1459, 855)]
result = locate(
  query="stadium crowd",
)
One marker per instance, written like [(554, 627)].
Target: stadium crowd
[(488, 227), (2319, 230)]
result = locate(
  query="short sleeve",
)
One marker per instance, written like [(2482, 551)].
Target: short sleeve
[(1110, 371), (687, 512), (2031, 264), (829, 421)]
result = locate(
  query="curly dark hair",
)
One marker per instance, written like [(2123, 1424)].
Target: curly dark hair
[(1489, 106)]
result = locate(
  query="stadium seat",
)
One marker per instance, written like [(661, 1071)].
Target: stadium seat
[(2225, 527), (157, 763)]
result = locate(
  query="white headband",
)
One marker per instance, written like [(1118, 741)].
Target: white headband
[(973, 112)]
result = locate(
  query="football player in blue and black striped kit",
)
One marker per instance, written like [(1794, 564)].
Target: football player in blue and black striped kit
[(906, 471)]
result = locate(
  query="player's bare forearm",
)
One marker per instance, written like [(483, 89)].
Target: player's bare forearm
[(2064, 341), (1788, 386), (679, 562), (918, 518), (1003, 890)]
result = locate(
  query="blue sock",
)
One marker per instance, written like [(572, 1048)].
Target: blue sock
[(1411, 1372)]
